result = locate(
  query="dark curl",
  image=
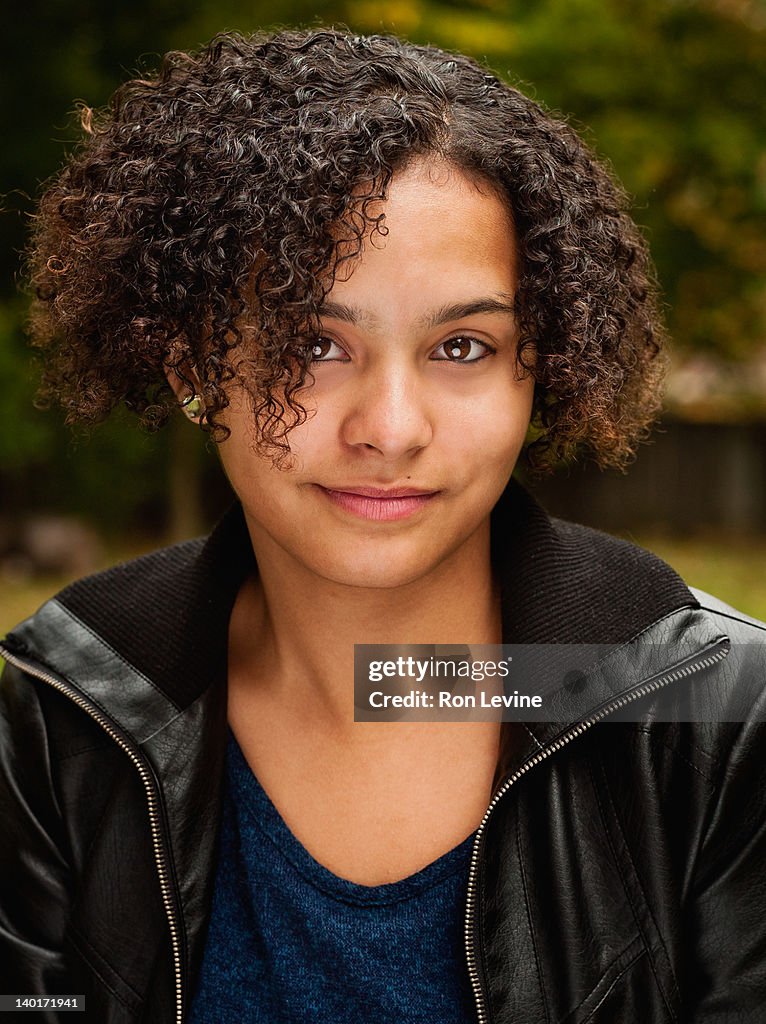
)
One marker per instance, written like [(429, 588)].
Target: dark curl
[(215, 202)]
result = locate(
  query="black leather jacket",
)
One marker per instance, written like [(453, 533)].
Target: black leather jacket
[(620, 872)]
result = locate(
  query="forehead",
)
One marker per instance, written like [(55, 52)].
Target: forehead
[(447, 236), (432, 191)]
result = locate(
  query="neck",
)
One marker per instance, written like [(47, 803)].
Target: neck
[(294, 631)]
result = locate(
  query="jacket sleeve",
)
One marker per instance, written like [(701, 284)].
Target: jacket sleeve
[(726, 927), (34, 876)]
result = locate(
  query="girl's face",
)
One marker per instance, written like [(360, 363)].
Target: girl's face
[(417, 415)]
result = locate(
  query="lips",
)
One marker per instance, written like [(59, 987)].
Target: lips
[(383, 492), (380, 504)]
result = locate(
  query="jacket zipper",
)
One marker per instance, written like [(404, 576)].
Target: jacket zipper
[(152, 797), (716, 652)]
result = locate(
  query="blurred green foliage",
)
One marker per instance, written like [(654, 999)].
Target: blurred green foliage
[(670, 92)]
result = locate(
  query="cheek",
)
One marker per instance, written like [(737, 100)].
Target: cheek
[(243, 469), (492, 427), (251, 475), (313, 442)]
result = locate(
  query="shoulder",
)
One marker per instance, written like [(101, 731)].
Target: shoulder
[(127, 586), (717, 705), (164, 615), (744, 625), (627, 570)]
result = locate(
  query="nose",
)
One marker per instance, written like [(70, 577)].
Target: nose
[(388, 412)]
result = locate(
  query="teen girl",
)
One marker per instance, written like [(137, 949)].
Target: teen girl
[(375, 275)]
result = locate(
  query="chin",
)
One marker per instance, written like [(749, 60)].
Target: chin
[(375, 572)]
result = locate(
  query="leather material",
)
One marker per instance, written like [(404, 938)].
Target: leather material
[(623, 878), (620, 876)]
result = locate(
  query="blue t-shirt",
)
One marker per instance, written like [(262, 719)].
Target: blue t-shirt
[(289, 942)]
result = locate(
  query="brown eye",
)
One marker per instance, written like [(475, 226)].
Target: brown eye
[(320, 348), (325, 350), (462, 350), (458, 348)]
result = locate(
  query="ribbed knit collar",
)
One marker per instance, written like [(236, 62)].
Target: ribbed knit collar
[(567, 584)]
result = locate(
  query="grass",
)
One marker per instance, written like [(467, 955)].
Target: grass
[(19, 598), (733, 570)]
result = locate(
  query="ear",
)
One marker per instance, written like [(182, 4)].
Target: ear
[(180, 389), (187, 391)]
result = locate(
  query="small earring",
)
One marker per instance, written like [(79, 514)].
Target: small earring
[(193, 406)]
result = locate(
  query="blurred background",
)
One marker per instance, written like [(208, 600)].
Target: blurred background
[(670, 92)]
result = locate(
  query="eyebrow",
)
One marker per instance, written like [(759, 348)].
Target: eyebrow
[(444, 314)]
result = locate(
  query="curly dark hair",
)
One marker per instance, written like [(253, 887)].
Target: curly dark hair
[(219, 197)]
